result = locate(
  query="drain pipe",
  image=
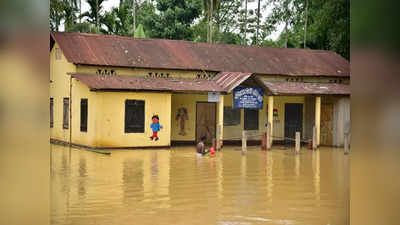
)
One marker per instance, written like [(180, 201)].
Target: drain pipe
[(70, 112)]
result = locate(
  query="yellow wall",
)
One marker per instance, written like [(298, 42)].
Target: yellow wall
[(144, 72), (189, 102), (59, 88), (106, 112), (79, 91), (231, 132), (344, 80), (111, 116)]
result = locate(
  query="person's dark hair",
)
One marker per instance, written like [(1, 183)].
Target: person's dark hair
[(203, 138), (155, 116)]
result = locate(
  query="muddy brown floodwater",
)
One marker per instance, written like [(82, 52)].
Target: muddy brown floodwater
[(174, 186)]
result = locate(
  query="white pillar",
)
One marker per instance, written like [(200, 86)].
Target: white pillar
[(318, 118), (271, 118)]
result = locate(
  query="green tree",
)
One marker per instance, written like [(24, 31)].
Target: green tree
[(139, 32), (70, 9), (315, 24), (119, 20), (287, 12), (173, 19), (56, 14), (83, 27), (94, 16), (63, 11), (209, 7)]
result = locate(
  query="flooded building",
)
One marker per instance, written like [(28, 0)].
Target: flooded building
[(106, 90)]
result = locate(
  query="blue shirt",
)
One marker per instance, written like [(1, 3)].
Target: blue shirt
[(155, 126)]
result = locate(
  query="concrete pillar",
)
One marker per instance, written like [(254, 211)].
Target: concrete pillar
[(297, 142), (318, 118), (271, 118), (220, 123)]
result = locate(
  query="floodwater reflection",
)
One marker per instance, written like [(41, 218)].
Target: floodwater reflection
[(177, 187)]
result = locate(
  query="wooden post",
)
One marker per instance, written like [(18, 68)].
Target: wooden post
[(297, 142), (314, 138), (346, 143), (264, 141), (218, 141), (244, 143)]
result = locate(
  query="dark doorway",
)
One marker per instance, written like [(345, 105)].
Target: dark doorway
[(293, 120), (206, 121)]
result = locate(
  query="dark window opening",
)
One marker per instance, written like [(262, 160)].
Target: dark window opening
[(134, 116), (231, 116), (251, 119), (66, 113), (84, 114), (51, 112)]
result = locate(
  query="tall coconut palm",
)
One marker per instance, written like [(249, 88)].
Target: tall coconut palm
[(70, 10), (209, 6)]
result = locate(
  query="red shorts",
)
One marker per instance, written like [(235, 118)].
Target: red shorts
[(154, 134)]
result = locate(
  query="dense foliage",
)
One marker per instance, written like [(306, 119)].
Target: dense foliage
[(314, 24)]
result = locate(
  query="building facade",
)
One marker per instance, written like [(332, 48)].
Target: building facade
[(105, 89)]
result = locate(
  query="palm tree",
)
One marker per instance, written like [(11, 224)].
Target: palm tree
[(209, 6), (70, 10), (93, 14)]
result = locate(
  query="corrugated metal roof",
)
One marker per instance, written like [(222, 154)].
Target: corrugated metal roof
[(229, 80), (103, 82), (291, 88), (112, 50)]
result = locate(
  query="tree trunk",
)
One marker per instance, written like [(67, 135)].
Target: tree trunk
[(258, 21), (286, 35), (80, 11), (134, 16), (245, 24), (97, 15), (211, 20), (208, 24), (305, 25)]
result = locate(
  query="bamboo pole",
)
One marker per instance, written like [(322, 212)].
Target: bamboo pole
[(297, 142)]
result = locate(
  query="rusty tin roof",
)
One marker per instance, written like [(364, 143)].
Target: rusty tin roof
[(112, 50), (104, 82), (292, 88), (229, 80)]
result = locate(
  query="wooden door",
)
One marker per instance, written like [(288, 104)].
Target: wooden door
[(293, 120), (205, 121), (326, 124)]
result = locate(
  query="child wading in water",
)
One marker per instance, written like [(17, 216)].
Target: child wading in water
[(155, 126), (201, 148)]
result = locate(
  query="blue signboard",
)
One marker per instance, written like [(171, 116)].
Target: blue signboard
[(248, 98)]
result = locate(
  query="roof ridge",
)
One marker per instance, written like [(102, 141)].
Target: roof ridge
[(189, 42)]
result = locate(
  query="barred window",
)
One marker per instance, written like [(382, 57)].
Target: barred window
[(51, 112), (84, 114), (231, 116), (66, 113), (134, 116)]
